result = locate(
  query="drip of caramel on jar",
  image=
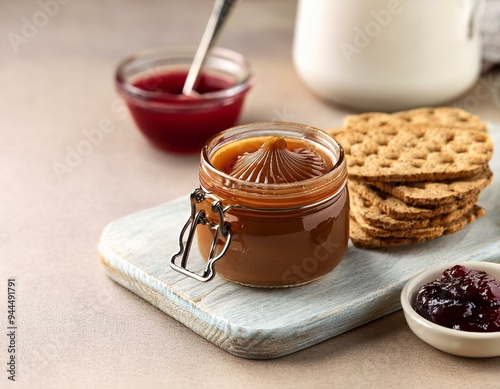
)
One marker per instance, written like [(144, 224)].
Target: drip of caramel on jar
[(274, 163)]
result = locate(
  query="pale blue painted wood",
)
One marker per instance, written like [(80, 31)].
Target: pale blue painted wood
[(268, 323)]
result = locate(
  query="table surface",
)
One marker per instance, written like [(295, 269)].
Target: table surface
[(77, 328)]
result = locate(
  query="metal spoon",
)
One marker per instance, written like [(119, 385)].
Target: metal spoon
[(220, 13)]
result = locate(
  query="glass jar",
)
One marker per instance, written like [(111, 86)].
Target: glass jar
[(268, 235)]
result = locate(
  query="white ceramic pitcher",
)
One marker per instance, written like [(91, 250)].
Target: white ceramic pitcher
[(388, 55)]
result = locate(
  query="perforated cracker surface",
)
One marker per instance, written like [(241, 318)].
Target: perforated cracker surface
[(445, 116), (448, 116), (368, 120), (398, 209), (361, 238), (415, 153), (437, 192), (376, 217)]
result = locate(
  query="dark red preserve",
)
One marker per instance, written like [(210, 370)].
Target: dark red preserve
[(461, 299), (183, 124), (151, 84)]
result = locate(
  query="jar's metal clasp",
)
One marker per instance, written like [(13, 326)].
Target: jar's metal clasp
[(223, 229)]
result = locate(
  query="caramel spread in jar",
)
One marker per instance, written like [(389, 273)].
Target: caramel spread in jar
[(276, 161), (284, 194)]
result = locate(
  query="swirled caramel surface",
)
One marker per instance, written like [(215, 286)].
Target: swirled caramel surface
[(275, 160)]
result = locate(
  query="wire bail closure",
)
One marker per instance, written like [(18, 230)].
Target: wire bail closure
[(222, 229)]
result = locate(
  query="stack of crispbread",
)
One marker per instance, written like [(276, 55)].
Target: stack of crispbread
[(414, 175)]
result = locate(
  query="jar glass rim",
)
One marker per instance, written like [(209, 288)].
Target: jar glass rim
[(338, 172)]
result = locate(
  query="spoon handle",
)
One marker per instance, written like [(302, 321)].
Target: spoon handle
[(220, 13)]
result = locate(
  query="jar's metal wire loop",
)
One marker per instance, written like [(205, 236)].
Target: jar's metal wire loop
[(222, 229)]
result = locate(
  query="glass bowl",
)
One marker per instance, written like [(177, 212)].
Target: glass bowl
[(455, 342), (151, 84)]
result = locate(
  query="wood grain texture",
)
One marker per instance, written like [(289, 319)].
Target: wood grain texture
[(269, 323)]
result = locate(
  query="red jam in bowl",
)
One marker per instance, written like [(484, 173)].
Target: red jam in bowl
[(151, 84), (461, 299), (173, 82)]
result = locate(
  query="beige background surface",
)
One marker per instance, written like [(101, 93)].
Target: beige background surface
[(78, 329)]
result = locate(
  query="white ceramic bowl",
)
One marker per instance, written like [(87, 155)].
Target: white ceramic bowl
[(461, 343)]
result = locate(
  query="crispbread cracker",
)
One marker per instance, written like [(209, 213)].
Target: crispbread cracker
[(437, 192), (361, 238), (448, 116), (400, 210), (413, 233), (415, 153), (374, 216), (475, 213), (370, 120), (444, 116), (413, 175)]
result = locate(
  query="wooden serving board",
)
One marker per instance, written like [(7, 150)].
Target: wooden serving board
[(269, 323)]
